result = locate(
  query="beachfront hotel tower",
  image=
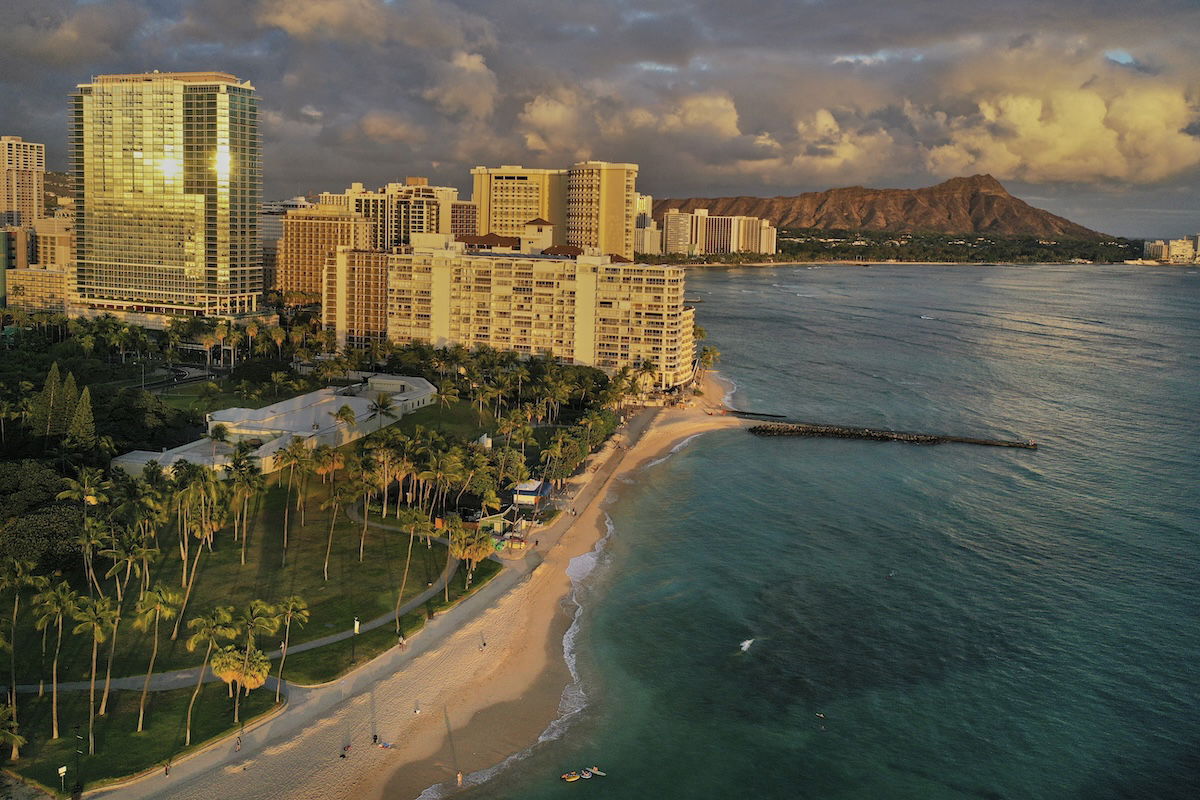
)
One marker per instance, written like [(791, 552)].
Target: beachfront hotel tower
[(168, 182), (507, 197), (601, 207), (589, 310)]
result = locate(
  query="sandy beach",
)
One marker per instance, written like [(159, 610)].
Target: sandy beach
[(484, 684)]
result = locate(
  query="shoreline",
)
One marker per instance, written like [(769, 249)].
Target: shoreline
[(495, 719), (481, 682)]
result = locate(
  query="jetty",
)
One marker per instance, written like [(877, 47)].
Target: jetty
[(809, 429)]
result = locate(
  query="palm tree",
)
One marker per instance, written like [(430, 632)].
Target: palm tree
[(89, 490), (16, 577), (219, 433), (249, 670), (207, 629), (290, 457), (208, 340), (293, 609), (278, 381), (54, 605), (258, 617), (345, 415), (382, 406), (95, 616), (459, 541), (416, 522), (8, 730), (447, 393), (125, 560), (158, 603), (338, 496)]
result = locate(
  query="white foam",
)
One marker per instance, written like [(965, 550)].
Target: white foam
[(728, 398), (678, 446), (574, 698)]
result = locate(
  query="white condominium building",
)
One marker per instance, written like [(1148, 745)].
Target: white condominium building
[(699, 233), (586, 310), (401, 209)]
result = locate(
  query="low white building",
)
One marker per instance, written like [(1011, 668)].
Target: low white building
[(310, 417)]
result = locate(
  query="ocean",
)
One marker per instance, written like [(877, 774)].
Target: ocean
[(927, 622)]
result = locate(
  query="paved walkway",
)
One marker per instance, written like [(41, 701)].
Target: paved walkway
[(307, 705)]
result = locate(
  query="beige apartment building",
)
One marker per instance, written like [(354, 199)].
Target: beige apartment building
[(509, 196), (43, 281), (310, 236), (601, 207), (22, 181), (586, 310)]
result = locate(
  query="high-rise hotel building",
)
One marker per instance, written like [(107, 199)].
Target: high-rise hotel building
[(22, 181), (509, 196), (168, 182), (601, 207), (586, 310)]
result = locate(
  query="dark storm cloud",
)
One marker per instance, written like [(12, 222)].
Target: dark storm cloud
[(1084, 103)]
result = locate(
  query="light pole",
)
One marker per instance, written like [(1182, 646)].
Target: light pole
[(77, 789), (354, 642)]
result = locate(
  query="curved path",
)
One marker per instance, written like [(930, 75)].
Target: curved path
[(184, 678)]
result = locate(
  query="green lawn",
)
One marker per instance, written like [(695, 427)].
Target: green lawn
[(120, 750), (459, 419), (365, 589)]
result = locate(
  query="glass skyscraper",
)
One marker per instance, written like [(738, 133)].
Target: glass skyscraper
[(168, 183)]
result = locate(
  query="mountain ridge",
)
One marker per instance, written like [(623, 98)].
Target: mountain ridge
[(978, 204)]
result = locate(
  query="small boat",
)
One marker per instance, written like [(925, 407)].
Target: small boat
[(596, 771), (570, 777), (585, 773)]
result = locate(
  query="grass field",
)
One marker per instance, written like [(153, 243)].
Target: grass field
[(120, 750), (365, 589)]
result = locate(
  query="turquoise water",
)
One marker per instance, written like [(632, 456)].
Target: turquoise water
[(971, 622)]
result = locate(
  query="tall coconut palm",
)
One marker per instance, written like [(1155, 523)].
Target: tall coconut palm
[(125, 560), (95, 616), (9, 734), (345, 415), (89, 490), (338, 496), (53, 606), (157, 604), (417, 524), (292, 609), (289, 458), (382, 406), (459, 541), (219, 433), (16, 577), (258, 617), (248, 669), (207, 630)]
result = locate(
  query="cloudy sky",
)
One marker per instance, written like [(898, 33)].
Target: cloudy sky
[(1089, 109)]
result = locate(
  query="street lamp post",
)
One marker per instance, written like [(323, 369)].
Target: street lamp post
[(77, 789), (354, 642)]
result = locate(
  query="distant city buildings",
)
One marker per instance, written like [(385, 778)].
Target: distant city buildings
[(168, 185), (647, 237), (22, 181), (168, 220), (1173, 251), (699, 233)]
